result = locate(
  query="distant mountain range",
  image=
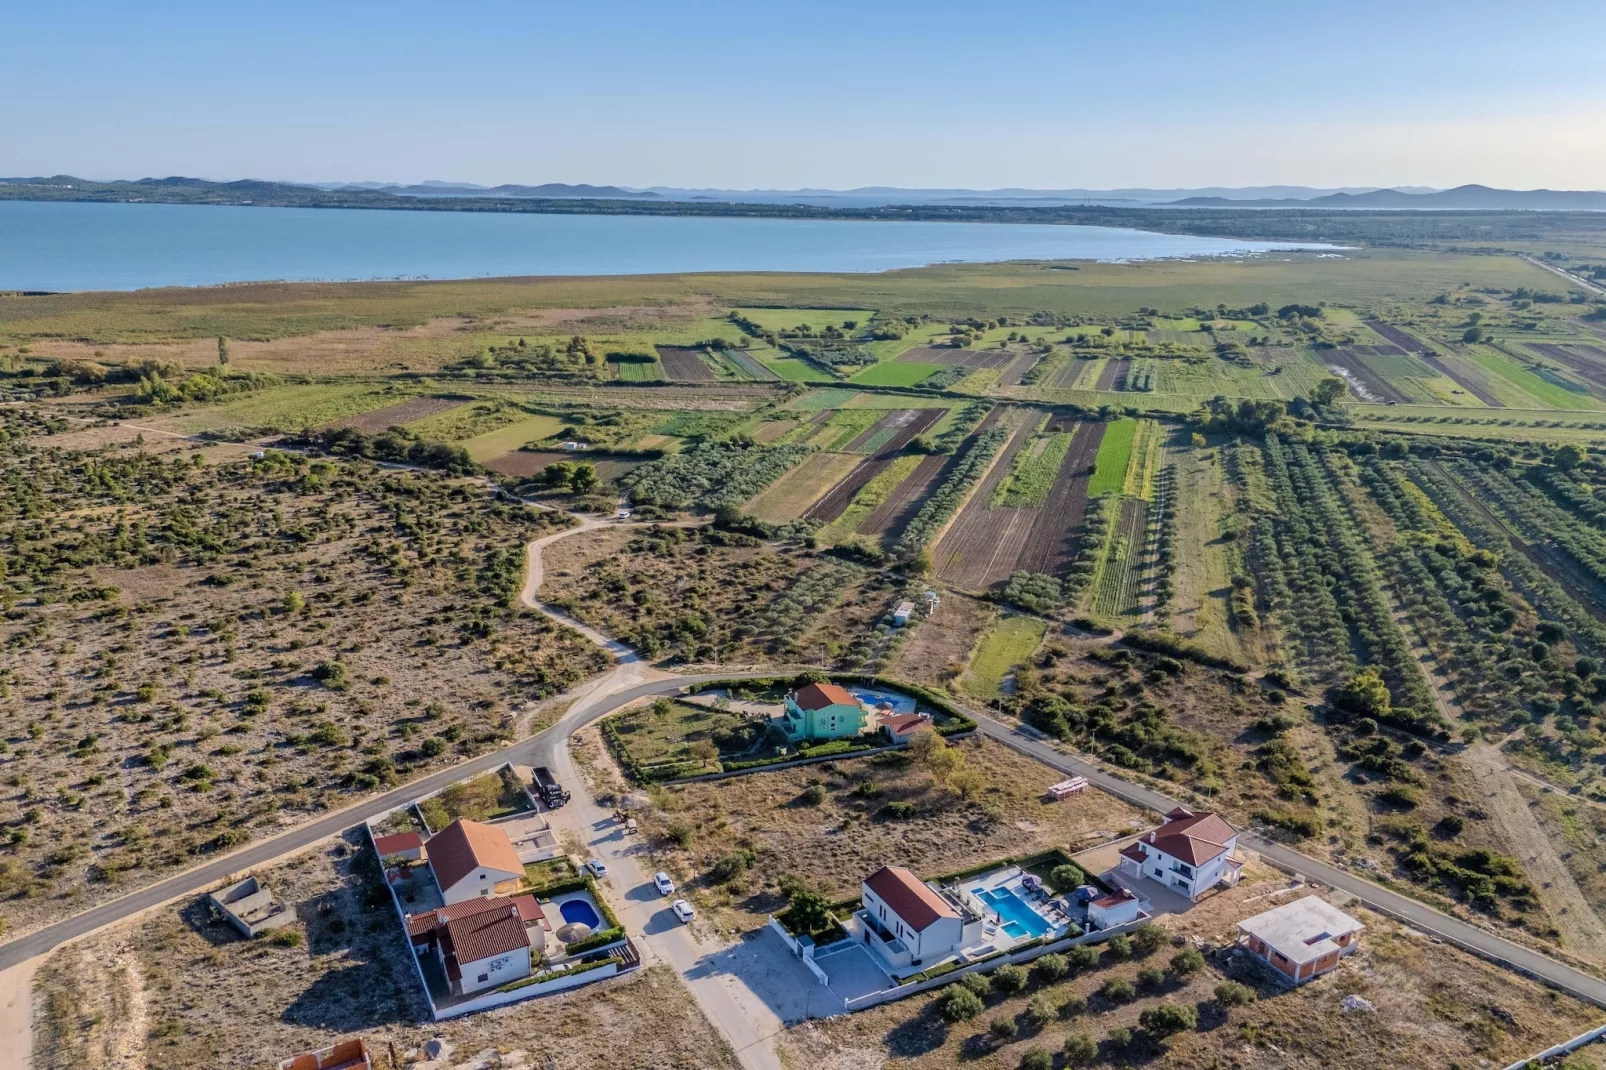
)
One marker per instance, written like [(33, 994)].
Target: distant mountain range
[(1461, 198), (468, 189)]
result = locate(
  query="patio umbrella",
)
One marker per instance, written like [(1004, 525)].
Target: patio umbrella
[(573, 932)]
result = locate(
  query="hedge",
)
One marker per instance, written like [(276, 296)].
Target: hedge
[(596, 940), (553, 975)]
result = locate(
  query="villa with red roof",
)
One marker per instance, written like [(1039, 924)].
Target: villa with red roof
[(481, 943), (909, 923), (1191, 853), (823, 711), (473, 861)]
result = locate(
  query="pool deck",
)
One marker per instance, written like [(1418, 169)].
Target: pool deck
[(994, 937)]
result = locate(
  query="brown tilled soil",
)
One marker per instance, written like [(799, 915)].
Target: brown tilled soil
[(377, 420), (772, 430), (1073, 371), (910, 423), (960, 358), (1113, 377), (1411, 344), (530, 462), (893, 515), (980, 547), (1349, 360), (1011, 376), (1435, 1008), (1052, 542), (684, 365), (134, 995)]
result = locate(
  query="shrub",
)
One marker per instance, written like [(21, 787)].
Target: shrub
[(1233, 994), (1049, 968), (1187, 962), (1151, 977), (959, 1004), (1118, 948), (1082, 958), (1148, 938), (1080, 1050), (1066, 878), (730, 867), (1003, 1030), (287, 937), (813, 795), (1009, 979), (1041, 1010), (681, 834), (1120, 1037), (1037, 1059), (1117, 990), (1169, 1018), (977, 983), (899, 811), (1073, 1005)]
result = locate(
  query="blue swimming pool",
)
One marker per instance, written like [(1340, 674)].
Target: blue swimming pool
[(1020, 920), (581, 911)]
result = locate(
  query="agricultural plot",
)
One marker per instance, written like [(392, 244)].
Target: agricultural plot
[(1587, 362), (795, 493), (291, 409), (950, 357), (1349, 364), (748, 367), (1471, 384), (1004, 646), (887, 520), (1115, 453), (985, 544), (1033, 473), (682, 364), (376, 420), (815, 319), (843, 427), (895, 373), (635, 368), (871, 496), (1523, 388), (1119, 589), (527, 463), (887, 437), (487, 447), (1016, 371), (789, 369), (1113, 375), (1079, 374)]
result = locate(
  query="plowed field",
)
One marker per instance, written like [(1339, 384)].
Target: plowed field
[(888, 436), (377, 420), (1589, 362), (960, 358), (684, 365), (1425, 352), (1113, 377)]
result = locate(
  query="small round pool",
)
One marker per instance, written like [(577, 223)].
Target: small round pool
[(578, 910)]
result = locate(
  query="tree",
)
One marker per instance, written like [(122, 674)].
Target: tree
[(959, 1004), (222, 351), (1003, 1030), (1364, 693), (1187, 962), (1037, 1059), (1117, 990), (923, 743), (1473, 334), (1009, 979), (704, 751), (1119, 949), (1080, 1050), (1233, 994), (294, 602), (583, 478), (557, 474), (1049, 968), (1566, 458), (810, 912), (1066, 878), (1148, 938), (1168, 1018), (1328, 391)]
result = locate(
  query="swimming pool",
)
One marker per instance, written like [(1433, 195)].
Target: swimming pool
[(578, 910), (1020, 920)]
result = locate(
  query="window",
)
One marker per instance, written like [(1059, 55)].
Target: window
[(484, 977)]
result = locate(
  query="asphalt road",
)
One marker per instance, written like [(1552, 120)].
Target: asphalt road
[(1417, 915), (536, 750)]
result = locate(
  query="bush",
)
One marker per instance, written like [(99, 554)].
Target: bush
[(1120, 1037), (1080, 1050), (1003, 1030), (1073, 1005), (1148, 938), (1083, 958), (1041, 1010), (1169, 1018), (1037, 1059), (977, 983), (1009, 979), (813, 795), (1118, 948), (899, 811), (1151, 977), (1066, 878), (1117, 990), (1187, 962), (1233, 994), (959, 1004), (1049, 968), (287, 937), (730, 867)]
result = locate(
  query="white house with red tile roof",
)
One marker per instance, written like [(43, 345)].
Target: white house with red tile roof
[(900, 727), (481, 943), (473, 861), (1191, 853), (408, 845), (1117, 908), (909, 923)]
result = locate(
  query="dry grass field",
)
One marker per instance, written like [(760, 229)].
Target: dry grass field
[(1436, 1008), (995, 808), (129, 997), (237, 647)]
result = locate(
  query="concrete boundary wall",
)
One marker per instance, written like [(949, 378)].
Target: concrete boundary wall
[(1561, 1049), (797, 949)]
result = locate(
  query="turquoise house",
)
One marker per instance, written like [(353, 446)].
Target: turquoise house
[(823, 711)]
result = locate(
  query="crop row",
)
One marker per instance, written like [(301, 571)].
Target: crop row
[(946, 501), (712, 475), (1096, 525), (1163, 523), (1536, 518)]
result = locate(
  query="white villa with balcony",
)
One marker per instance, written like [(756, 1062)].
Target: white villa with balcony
[(909, 924), (1191, 853)]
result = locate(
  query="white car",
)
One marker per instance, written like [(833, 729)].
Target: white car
[(683, 910), (597, 867), (664, 884)]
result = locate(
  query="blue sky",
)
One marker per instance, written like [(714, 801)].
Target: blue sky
[(827, 93)]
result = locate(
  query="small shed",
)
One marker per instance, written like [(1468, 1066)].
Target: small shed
[(408, 845), (1114, 909), (901, 615), (250, 907)]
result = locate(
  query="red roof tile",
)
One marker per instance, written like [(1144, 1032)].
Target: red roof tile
[(1115, 899), (819, 696), (1134, 852), (1194, 838), (401, 841), (529, 909), (463, 846), (429, 920), (903, 722), (909, 897), (485, 935)]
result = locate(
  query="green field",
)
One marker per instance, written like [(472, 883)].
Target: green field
[(895, 373), (869, 497), (1008, 643), (1115, 451), (792, 369), (289, 408), (637, 371), (1032, 477), (490, 446), (816, 319), (1511, 374), (843, 428)]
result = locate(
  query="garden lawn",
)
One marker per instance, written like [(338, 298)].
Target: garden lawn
[(1009, 642), (895, 373), (1109, 473)]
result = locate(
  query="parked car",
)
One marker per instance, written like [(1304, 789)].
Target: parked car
[(664, 884), (597, 867), (683, 910)]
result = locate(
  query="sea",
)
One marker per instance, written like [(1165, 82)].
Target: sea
[(65, 246)]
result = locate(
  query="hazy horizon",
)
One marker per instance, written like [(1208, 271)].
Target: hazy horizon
[(838, 96)]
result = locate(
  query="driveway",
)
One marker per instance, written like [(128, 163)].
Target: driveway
[(852, 971)]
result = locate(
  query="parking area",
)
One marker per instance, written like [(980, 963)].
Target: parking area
[(851, 970)]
